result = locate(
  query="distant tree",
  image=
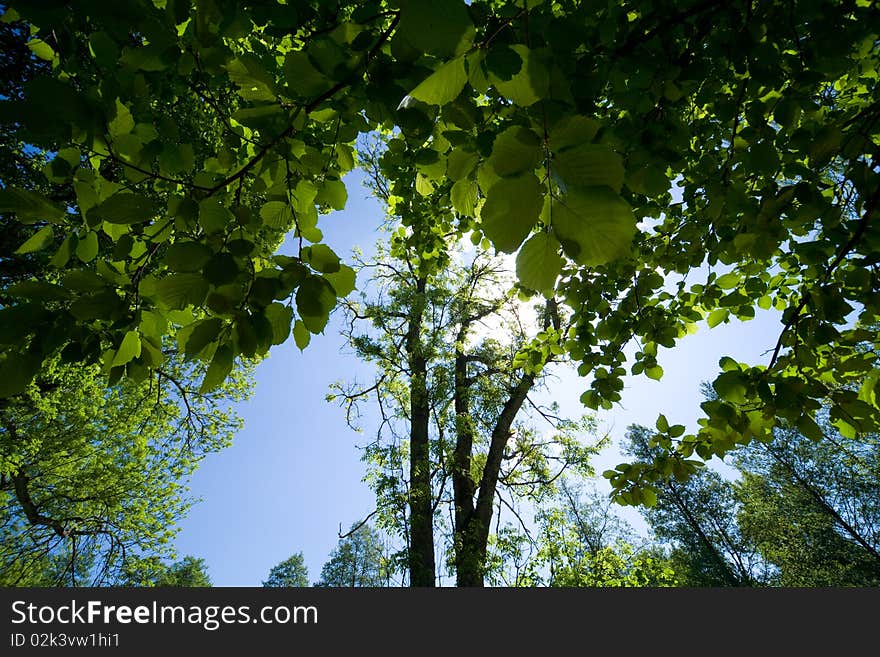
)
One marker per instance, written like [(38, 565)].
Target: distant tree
[(290, 572), (698, 518), (813, 507), (93, 478), (151, 571), (358, 560)]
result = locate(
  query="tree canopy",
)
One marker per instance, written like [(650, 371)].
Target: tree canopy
[(652, 165)]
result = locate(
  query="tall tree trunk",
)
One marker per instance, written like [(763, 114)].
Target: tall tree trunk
[(421, 526), (472, 537)]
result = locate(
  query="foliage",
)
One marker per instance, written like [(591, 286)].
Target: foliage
[(580, 543), (187, 572), (697, 515), (290, 572), (94, 478), (357, 561), (813, 508), (620, 149)]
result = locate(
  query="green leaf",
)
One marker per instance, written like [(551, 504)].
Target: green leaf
[(277, 215), (333, 193), (440, 27), (16, 372), (731, 387), (511, 211), (128, 350), (87, 248), (528, 86), (538, 263), (321, 258), (41, 49), (125, 208), (122, 123), (213, 216), (808, 427), (280, 318), (573, 131), (717, 316), (201, 334), (315, 298), (176, 291), (187, 256), (590, 165), (516, 150), (649, 497), (594, 224), (253, 80), (218, 370), (464, 197), (655, 372), (29, 207), (301, 335), (443, 85), (38, 290), (37, 242), (460, 163), (662, 423), (303, 79), (343, 281)]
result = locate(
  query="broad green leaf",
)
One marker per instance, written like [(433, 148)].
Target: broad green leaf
[(254, 82), (187, 256), (464, 197), (516, 150), (122, 122), (530, 84), (332, 193), (731, 387), (301, 335), (105, 306), (729, 280), (200, 335), (717, 316), (213, 216), (38, 241), (573, 131), (343, 281), (443, 85), (16, 372), (280, 318), (277, 215), (439, 27), (38, 290), (218, 370), (321, 258), (511, 210), (303, 79), (41, 49), (655, 372), (128, 350), (28, 206), (87, 247), (590, 165), (662, 423), (176, 291), (315, 298), (460, 163), (125, 208), (538, 263), (594, 224), (808, 427)]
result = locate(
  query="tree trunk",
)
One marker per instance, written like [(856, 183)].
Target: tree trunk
[(421, 526)]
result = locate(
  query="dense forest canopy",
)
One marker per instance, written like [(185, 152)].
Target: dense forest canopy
[(651, 164)]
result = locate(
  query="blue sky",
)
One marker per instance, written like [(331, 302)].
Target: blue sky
[(293, 475)]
